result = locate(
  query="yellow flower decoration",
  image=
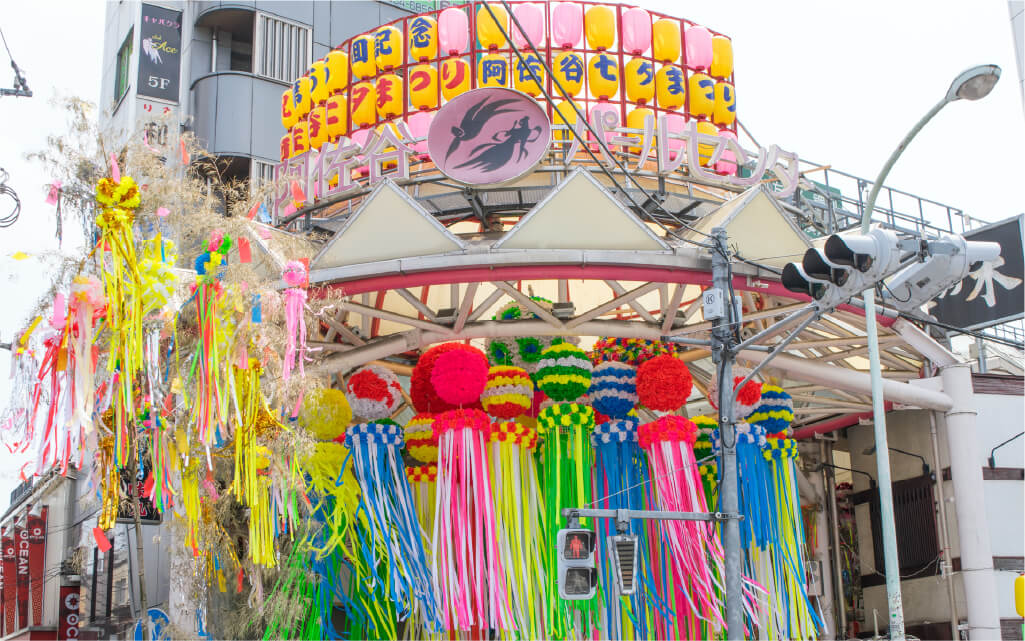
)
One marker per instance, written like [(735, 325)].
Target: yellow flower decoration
[(124, 194)]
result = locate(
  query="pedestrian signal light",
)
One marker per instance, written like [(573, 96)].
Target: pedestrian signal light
[(578, 574)]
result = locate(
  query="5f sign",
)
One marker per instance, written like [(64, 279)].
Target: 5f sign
[(160, 39)]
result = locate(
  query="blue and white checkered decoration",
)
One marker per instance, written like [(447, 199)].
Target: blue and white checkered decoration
[(613, 390)]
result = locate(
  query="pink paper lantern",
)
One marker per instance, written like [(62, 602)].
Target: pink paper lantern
[(699, 47), (532, 19), (454, 31), (418, 124), (637, 30), (567, 24), (727, 163)]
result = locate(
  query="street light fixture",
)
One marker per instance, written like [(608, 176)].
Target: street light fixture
[(972, 84), (926, 470)]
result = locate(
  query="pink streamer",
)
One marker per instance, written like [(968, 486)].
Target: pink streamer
[(295, 322)]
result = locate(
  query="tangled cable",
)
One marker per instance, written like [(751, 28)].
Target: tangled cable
[(11, 218)]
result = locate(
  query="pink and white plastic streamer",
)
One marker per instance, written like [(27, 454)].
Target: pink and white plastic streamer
[(469, 577), (294, 275)]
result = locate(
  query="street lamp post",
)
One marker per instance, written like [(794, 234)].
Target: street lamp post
[(972, 84)]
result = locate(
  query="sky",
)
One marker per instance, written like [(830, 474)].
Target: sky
[(837, 83)]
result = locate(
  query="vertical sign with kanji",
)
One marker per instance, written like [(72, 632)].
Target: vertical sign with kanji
[(37, 562), (160, 37), (21, 540), (10, 561)]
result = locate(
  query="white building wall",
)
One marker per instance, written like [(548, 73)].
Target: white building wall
[(925, 598)]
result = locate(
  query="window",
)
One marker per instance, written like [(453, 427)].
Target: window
[(124, 61), (261, 176), (283, 49), (914, 515)]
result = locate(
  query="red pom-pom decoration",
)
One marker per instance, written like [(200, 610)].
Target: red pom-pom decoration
[(663, 383), (667, 428), (747, 398), (421, 390), (373, 392), (459, 376)]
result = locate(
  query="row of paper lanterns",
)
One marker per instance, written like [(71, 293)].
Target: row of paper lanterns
[(327, 122), (385, 96)]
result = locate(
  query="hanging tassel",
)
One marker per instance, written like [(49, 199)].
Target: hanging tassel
[(296, 276), (386, 498)]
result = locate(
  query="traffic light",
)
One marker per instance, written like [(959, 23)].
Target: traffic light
[(948, 261), (846, 266), (578, 575), (623, 553)]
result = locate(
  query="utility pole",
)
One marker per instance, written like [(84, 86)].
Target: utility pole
[(723, 356)]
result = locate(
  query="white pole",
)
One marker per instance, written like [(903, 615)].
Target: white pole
[(970, 504)]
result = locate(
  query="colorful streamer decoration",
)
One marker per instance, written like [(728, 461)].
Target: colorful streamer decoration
[(692, 577), (296, 277)]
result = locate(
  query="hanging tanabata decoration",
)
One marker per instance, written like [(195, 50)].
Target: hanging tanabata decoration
[(374, 394), (509, 394), (564, 375), (295, 276), (622, 480), (468, 570)]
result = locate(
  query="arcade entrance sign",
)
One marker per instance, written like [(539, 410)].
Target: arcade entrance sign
[(663, 145)]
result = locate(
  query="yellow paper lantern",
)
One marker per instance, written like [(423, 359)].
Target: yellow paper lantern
[(1019, 595), (705, 151), (301, 100), (725, 110), (362, 59), (602, 75), (337, 71), (423, 38), (635, 120), (568, 70), (564, 114), (288, 116), (388, 48), (423, 86), (389, 96), (669, 87), (492, 71), (666, 40), (319, 90), (336, 112), (522, 78), (600, 27), (316, 126), (455, 77), (639, 77), (702, 95), (364, 104), (300, 138), (722, 57), (488, 32), (286, 146)]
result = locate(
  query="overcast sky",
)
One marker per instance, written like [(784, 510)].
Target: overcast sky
[(837, 83)]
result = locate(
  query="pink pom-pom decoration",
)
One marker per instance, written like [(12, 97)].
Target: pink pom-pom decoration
[(461, 419), (373, 392), (216, 238), (294, 274), (667, 428), (459, 376), (663, 383)]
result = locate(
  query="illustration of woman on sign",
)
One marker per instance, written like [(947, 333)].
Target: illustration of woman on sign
[(493, 155)]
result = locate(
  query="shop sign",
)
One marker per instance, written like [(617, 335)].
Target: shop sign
[(37, 562), (386, 154), (10, 562), (160, 35), (21, 540), (993, 292), (67, 618), (489, 136)]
